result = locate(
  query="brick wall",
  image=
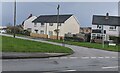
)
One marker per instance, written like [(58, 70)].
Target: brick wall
[(39, 35)]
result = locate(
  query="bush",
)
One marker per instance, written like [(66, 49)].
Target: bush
[(18, 30), (74, 39), (26, 32), (115, 39)]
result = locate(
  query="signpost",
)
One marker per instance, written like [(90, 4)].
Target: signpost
[(105, 20)]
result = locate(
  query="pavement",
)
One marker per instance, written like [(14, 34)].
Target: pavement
[(16, 55), (84, 59)]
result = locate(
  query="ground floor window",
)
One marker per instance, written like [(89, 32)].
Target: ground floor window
[(42, 32), (50, 33), (29, 29), (36, 31)]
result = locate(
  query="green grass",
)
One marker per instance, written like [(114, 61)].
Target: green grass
[(10, 44), (90, 45)]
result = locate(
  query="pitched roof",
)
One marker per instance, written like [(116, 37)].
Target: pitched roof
[(51, 18), (100, 20)]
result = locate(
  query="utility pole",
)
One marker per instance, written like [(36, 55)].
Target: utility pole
[(106, 18), (14, 18), (58, 21)]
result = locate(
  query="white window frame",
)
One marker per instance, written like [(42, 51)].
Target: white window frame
[(113, 28), (60, 24), (50, 33), (50, 24), (41, 31), (42, 24), (35, 24)]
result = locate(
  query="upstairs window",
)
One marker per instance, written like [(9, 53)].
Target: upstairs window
[(99, 26), (42, 24), (50, 24), (112, 28), (35, 24), (59, 24)]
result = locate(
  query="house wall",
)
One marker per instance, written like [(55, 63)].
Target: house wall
[(28, 23), (70, 26), (108, 31)]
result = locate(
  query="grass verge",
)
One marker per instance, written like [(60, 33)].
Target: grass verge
[(10, 44), (91, 45)]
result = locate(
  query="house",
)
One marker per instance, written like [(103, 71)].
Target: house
[(45, 26), (107, 24), (85, 30), (108, 31)]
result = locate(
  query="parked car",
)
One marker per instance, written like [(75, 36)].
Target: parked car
[(2, 31)]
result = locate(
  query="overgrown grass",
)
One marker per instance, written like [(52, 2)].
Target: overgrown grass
[(91, 45), (10, 44)]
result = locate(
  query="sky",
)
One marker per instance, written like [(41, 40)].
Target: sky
[(83, 11)]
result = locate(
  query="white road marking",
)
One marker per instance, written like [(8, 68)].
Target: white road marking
[(113, 57), (63, 57), (73, 57), (109, 67), (85, 57), (70, 70), (107, 57), (100, 57), (54, 58), (93, 57)]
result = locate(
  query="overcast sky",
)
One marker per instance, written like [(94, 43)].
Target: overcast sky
[(82, 10)]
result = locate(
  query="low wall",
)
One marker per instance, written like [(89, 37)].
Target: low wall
[(38, 35), (55, 37)]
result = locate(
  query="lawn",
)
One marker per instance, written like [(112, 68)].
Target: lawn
[(10, 44), (90, 45)]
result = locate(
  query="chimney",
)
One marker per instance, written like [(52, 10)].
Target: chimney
[(107, 16), (29, 16)]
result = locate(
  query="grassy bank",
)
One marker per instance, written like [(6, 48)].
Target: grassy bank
[(91, 45), (10, 44)]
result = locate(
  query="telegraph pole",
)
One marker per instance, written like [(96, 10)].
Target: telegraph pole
[(14, 18), (106, 18), (58, 20)]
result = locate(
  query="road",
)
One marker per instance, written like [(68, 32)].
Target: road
[(84, 59)]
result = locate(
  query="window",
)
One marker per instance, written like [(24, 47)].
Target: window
[(50, 33), (42, 24), (99, 26), (112, 28), (35, 24), (29, 29), (69, 32), (59, 24), (86, 30), (36, 30), (50, 24), (42, 32)]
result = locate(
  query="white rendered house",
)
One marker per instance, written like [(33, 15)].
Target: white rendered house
[(47, 24)]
